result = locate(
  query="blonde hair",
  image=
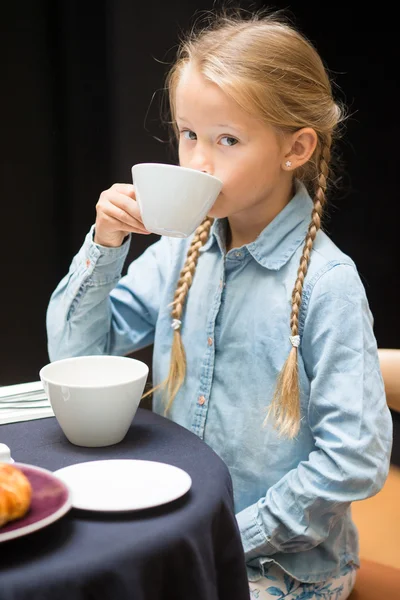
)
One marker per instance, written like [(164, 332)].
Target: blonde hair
[(271, 70)]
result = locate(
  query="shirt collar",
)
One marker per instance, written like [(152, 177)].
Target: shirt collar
[(277, 243)]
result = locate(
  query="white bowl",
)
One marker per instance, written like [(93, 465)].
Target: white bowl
[(95, 398)]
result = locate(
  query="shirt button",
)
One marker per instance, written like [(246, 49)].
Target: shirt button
[(238, 254), (210, 341), (201, 400)]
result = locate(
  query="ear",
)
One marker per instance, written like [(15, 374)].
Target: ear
[(302, 144)]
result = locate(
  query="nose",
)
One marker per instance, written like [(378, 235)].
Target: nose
[(201, 161)]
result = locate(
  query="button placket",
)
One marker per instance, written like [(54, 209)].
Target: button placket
[(202, 400)]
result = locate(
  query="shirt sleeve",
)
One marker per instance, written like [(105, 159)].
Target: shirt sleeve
[(349, 419), (94, 311)]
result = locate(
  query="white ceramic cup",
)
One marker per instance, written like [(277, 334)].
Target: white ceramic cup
[(173, 200), (94, 398)]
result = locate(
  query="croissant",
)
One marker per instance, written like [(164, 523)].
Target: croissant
[(15, 493)]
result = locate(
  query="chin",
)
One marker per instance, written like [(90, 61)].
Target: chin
[(215, 214), (217, 211)]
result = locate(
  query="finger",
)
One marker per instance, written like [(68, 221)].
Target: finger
[(123, 217), (116, 225), (126, 204), (124, 188), (121, 208), (118, 220), (137, 231)]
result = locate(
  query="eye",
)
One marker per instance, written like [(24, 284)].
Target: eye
[(230, 141), (189, 135)]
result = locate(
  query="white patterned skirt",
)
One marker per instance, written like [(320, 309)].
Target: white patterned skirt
[(277, 585)]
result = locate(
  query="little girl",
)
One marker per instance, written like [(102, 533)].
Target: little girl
[(268, 352)]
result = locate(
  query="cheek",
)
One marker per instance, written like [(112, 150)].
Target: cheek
[(237, 175), (181, 155), (184, 153), (246, 177), (234, 195), (245, 182)]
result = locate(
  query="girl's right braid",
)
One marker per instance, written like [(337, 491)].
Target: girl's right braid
[(177, 370), (186, 276), (285, 405)]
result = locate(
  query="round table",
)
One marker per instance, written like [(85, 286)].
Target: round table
[(189, 549)]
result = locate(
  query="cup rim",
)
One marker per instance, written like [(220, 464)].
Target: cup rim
[(168, 166), (46, 379)]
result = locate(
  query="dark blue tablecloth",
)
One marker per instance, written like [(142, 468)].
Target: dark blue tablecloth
[(186, 550)]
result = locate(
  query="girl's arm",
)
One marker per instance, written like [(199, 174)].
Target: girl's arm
[(349, 419), (92, 311)]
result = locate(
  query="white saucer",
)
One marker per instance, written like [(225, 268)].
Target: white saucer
[(123, 485)]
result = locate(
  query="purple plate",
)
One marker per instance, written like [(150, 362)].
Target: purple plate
[(51, 499)]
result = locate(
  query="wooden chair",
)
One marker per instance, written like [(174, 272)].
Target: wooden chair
[(378, 518)]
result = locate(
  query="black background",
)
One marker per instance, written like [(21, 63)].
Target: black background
[(81, 89)]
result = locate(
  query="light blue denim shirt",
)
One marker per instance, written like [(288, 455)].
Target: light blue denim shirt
[(292, 497)]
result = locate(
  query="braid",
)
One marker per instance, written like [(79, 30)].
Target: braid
[(177, 370), (186, 276), (285, 405)]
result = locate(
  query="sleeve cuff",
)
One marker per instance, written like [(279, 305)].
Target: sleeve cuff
[(102, 264), (255, 541), (108, 249)]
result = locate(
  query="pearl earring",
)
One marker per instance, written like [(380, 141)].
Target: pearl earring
[(288, 163)]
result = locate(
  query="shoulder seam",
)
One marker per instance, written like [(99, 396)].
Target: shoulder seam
[(311, 284)]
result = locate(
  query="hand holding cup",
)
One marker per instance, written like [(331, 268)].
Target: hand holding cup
[(117, 215)]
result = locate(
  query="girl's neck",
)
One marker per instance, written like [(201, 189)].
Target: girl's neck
[(246, 226)]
